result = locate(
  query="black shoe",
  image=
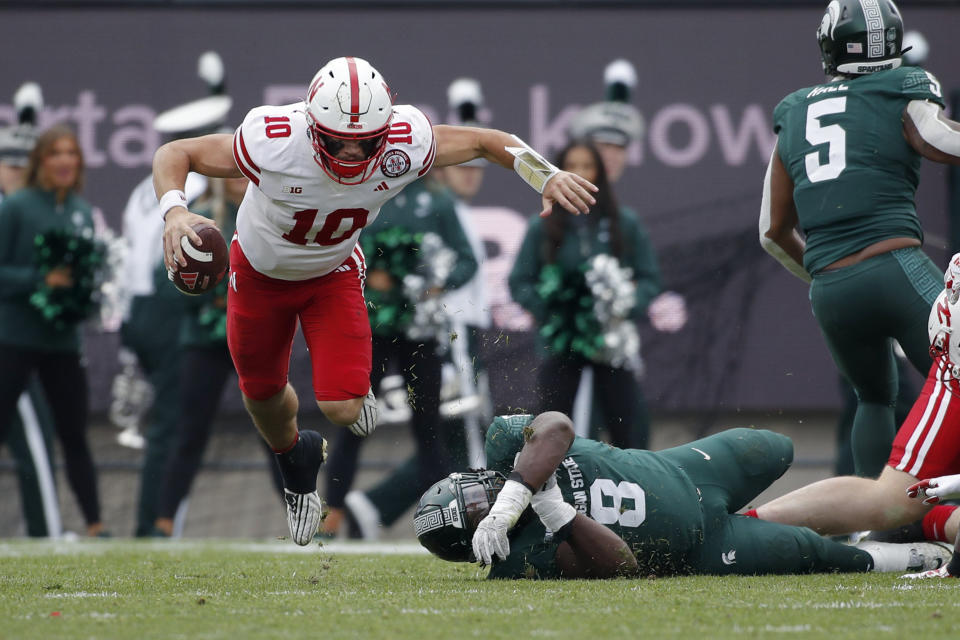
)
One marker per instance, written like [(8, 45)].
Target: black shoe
[(304, 508), (912, 532)]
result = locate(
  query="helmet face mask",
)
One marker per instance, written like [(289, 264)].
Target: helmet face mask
[(450, 510), (348, 104), (944, 346), (860, 36)]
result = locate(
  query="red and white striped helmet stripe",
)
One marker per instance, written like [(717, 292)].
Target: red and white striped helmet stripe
[(354, 90)]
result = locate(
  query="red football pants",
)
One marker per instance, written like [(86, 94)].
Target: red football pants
[(262, 315)]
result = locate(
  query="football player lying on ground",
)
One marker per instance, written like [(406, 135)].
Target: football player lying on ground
[(602, 512), (927, 446)]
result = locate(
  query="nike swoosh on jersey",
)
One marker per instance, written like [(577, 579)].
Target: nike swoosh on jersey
[(706, 456)]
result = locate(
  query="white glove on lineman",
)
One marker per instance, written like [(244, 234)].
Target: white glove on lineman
[(934, 490), (951, 279), (549, 505), (490, 538)]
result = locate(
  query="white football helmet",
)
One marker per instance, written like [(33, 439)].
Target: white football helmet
[(944, 346), (348, 100)]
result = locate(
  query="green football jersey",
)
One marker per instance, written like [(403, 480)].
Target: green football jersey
[(854, 173), (640, 496)]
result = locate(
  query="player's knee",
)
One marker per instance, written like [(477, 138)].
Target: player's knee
[(763, 449), (341, 412), (260, 390), (893, 507)]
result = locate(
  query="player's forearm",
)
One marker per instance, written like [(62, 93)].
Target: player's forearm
[(593, 551), (784, 244), (171, 165), (778, 219), (211, 156), (547, 440), (456, 145)]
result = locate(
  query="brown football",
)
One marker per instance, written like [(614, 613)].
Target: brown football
[(206, 264)]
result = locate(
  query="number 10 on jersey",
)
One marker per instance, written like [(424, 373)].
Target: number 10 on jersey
[(330, 233)]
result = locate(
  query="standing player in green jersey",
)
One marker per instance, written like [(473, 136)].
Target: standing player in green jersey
[(602, 512), (844, 172)]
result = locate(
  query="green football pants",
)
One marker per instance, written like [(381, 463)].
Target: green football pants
[(731, 468), (861, 309)]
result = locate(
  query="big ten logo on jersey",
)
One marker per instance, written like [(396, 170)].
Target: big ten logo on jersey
[(296, 190)]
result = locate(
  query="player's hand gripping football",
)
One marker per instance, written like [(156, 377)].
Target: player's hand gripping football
[(933, 490), (176, 230), (570, 191)]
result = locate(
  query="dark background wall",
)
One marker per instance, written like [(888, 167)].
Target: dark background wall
[(709, 79)]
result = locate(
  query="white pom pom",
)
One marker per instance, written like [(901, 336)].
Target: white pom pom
[(210, 68), (28, 96), (464, 90), (620, 71), (920, 49)]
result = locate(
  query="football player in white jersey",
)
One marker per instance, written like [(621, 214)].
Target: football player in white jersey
[(319, 172)]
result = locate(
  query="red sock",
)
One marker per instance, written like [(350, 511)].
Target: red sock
[(935, 522), (296, 439), (751, 513)]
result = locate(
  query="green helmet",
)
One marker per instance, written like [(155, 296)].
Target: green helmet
[(860, 36), (449, 511)]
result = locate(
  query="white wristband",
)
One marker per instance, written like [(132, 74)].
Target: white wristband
[(555, 515), (532, 167), (171, 199), (511, 501)]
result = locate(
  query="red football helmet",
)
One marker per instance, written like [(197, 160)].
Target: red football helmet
[(348, 101)]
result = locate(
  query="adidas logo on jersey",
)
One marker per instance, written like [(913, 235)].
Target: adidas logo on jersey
[(382, 187)]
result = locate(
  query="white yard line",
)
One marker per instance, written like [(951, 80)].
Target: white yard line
[(59, 547)]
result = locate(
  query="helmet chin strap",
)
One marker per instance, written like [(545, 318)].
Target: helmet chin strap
[(358, 173)]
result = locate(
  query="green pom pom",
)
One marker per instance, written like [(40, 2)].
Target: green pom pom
[(571, 326)]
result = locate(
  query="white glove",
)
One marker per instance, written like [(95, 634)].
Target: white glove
[(942, 572), (934, 490), (549, 505), (490, 538), (951, 278)]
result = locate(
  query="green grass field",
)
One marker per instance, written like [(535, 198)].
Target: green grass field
[(215, 589)]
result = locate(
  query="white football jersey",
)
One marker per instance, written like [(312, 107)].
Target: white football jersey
[(296, 222)]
